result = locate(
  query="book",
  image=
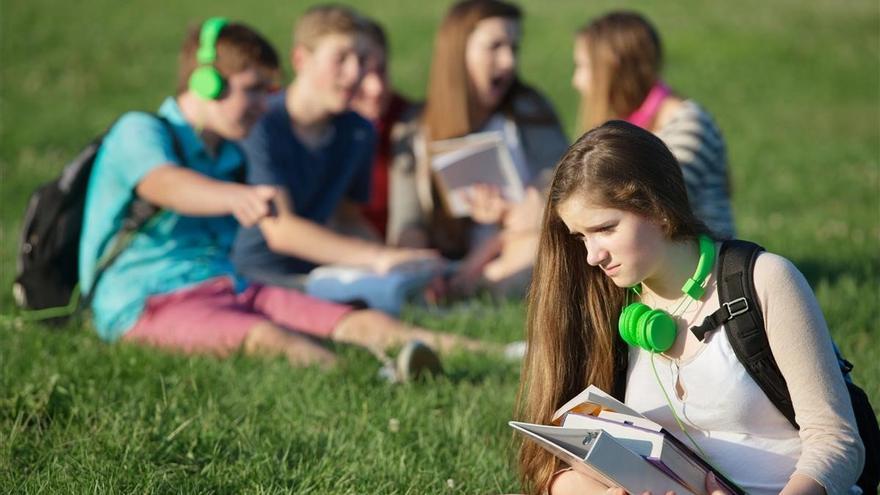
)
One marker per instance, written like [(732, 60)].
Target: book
[(669, 459), (597, 454), (595, 399), (482, 158), (386, 292), (654, 446)]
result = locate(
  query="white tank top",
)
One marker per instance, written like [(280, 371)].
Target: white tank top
[(723, 409)]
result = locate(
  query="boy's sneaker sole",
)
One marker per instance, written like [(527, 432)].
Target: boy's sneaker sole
[(416, 360)]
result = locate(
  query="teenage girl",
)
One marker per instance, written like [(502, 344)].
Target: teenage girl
[(618, 230), (618, 59), (474, 87)]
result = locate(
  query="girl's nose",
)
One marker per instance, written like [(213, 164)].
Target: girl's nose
[(596, 254)]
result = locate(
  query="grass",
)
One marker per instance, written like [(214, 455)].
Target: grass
[(794, 85)]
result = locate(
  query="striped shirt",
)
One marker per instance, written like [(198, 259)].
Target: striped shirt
[(697, 144)]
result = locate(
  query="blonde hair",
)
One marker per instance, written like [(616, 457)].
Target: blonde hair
[(626, 57), (322, 20), (573, 307)]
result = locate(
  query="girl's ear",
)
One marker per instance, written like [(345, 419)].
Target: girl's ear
[(666, 226)]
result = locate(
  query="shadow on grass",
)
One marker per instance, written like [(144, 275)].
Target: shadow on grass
[(477, 369), (865, 272)]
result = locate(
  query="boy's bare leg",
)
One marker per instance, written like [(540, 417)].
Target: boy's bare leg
[(268, 339), (377, 331)]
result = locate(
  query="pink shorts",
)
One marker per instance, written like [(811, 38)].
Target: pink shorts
[(211, 317)]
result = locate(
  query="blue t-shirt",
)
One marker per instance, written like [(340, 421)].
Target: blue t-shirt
[(317, 180), (172, 251)]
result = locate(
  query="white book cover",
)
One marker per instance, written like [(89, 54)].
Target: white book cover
[(383, 291), (480, 158), (597, 454), (650, 444)]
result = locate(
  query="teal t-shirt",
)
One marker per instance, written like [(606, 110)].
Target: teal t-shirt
[(173, 251)]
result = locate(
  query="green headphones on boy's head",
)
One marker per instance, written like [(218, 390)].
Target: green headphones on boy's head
[(655, 329), (206, 81)]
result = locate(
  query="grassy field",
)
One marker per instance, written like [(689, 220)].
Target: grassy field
[(794, 85)]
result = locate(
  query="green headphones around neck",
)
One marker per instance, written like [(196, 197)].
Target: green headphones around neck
[(654, 329), (206, 81)]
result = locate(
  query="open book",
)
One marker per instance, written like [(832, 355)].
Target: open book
[(383, 291), (480, 158), (606, 440)]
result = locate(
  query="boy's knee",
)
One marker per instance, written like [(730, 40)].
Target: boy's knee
[(268, 339), (369, 319)]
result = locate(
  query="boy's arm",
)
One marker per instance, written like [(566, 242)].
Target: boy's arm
[(350, 220), (188, 192), (296, 236)]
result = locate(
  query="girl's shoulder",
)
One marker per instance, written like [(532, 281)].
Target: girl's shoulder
[(686, 113), (774, 273), (769, 263), (527, 103)]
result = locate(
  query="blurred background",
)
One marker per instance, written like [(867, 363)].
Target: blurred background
[(793, 84)]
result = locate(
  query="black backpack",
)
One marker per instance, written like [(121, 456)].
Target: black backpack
[(744, 322), (48, 257)]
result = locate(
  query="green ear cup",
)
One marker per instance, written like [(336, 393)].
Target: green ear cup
[(626, 324), (632, 319), (206, 81), (657, 330), (651, 329)]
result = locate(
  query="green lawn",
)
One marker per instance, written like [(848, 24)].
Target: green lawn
[(794, 85)]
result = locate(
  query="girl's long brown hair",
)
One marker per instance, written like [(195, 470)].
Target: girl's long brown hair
[(626, 57), (451, 110), (573, 307), (450, 103)]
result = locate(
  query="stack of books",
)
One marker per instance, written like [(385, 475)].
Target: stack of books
[(604, 439)]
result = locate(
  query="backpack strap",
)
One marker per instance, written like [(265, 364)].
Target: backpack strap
[(740, 313), (736, 259)]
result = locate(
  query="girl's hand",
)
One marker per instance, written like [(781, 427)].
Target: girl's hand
[(712, 488), (526, 215), (712, 485), (487, 204)]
